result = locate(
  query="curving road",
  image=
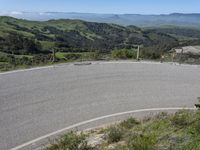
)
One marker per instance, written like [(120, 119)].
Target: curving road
[(40, 101)]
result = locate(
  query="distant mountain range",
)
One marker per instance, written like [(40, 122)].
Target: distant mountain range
[(177, 19)]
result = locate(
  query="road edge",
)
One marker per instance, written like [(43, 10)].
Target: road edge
[(97, 119)]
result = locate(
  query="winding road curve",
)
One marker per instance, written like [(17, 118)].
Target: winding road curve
[(36, 102)]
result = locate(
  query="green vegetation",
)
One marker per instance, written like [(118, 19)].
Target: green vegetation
[(26, 43), (124, 54), (12, 61), (179, 131), (183, 33), (71, 141), (114, 134), (129, 123), (68, 56)]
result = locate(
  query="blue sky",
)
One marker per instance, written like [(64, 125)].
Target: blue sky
[(103, 6)]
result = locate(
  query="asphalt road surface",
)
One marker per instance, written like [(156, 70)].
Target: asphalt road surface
[(40, 101)]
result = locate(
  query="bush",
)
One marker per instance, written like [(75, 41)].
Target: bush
[(115, 134), (6, 66), (95, 55), (194, 144), (123, 54), (149, 53), (181, 119), (24, 61), (142, 142), (129, 123), (3, 58), (41, 59), (72, 56), (195, 130), (71, 141), (121, 147), (91, 55)]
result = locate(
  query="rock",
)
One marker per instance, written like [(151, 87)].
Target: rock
[(96, 140)]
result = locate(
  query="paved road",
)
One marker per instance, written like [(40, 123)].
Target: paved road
[(37, 102)]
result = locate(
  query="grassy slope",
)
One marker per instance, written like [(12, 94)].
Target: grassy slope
[(88, 30), (63, 25), (181, 33), (180, 131)]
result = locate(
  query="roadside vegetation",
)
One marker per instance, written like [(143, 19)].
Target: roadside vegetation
[(179, 131), (124, 54)]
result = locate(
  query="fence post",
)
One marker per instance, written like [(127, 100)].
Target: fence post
[(138, 53), (54, 55), (180, 60)]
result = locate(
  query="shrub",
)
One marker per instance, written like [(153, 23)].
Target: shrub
[(72, 56), (194, 144), (94, 55), (6, 66), (123, 54), (150, 53), (71, 141), (129, 123), (115, 134), (24, 61), (161, 115), (142, 142), (196, 123), (121, 147), (181, 119), (3, 58)]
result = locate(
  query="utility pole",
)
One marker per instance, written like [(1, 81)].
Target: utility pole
[(138, 53)]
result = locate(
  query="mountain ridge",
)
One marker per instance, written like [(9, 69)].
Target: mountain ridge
[(77, 35), (143, 20)]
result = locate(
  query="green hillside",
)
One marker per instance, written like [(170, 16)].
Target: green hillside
[(76, 35), (37, 39), (181, 33)]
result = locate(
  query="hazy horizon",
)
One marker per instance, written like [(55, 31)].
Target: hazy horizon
[(102, 7), (20, 12)]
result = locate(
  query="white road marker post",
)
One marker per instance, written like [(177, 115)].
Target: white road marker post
[(138, 53), (181, 55), (53, 55)]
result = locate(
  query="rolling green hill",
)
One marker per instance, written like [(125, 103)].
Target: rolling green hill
[(181, 33), (76, 35), (31, 42)]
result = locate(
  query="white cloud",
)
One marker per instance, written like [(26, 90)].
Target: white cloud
[(16, 13)]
